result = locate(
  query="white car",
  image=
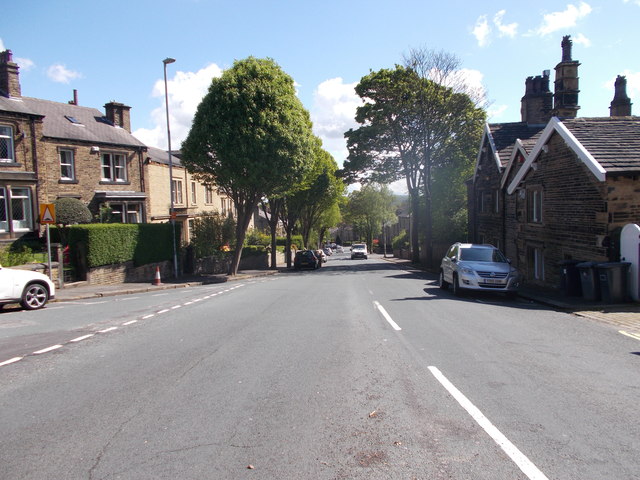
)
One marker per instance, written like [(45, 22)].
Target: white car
[(30, 289), (359, 250)]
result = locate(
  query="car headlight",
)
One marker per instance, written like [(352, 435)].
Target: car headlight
[(467, 270)]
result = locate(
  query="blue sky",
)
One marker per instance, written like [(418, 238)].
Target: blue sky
[(114, 50)]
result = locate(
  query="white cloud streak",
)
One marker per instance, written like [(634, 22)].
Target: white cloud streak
[(482, 31), (60, 74), (504, 30), (552, 22), (185, 92)]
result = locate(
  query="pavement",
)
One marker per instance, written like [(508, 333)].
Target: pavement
[(625, 316)]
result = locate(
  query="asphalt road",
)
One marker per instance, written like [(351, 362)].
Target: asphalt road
[(356, 371)]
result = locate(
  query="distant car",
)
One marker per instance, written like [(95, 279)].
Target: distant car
[(30, 289), (470, 266), (305, 259), (327, 251), (359, 250), (339, 249)]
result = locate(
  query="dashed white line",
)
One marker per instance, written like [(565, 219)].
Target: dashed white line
[(84, 337), (632, 335), (48, 349), (10, 361), (387, 316), (149, 316), (110, 329), (130, 322), (175, 306), (162, 311), (523, 463)]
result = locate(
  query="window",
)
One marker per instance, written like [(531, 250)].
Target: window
[(536, 262), (124, 212), (114, 168), (6, 144), (21, 214), (534, 205), (194, 196), (496, 206), (4, 225), (176, 191), (208, 195), (67, 169)]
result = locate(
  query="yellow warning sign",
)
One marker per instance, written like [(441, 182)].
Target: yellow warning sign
[(47, 213)]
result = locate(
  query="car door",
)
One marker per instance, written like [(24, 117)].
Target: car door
[(6, 284), (449, 263)]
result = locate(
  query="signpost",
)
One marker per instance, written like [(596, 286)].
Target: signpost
[(48, 217)]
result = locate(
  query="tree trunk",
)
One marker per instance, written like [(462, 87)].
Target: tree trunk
[(415, 223), (244, 218)]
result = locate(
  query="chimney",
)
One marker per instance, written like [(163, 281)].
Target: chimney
[(621, 103), (565, 98), (537, 103), (9, 75), (119, 115), (75, 98)]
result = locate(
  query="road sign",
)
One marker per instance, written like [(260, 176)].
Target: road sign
[(47, 213)]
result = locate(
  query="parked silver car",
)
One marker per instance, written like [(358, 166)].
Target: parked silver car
[(30, 289), (468, 266)]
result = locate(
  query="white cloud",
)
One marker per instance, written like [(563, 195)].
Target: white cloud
[(60, 73), (495, 113), (508, 30), (481, 31), (637, 2), (25, 64), (185, 92), (552, 22), (333, 113), (580, 39), (2, 49)]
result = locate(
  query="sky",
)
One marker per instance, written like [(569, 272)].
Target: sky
[(113, 51)]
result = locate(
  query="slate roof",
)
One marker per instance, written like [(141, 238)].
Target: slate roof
[(160, 156), (614, 142), (92, 126), (504, 136)]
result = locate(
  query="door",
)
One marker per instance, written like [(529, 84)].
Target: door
[(630, 252)]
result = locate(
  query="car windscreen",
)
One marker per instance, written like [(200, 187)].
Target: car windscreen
[(481, 255)]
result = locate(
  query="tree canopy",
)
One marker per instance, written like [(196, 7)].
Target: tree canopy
[(369, 208), (251, 137)]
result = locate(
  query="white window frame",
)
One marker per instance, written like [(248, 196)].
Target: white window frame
[(4, 212), (24, 197), (208, 195), (6, 137), (67, 160), (176, 191), (194, 195), (113, 167), (534, 205)]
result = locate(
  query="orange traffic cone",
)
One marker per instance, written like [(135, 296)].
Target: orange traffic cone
[(157, 281)]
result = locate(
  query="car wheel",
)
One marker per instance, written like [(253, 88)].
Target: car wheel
[(365, 257), (35, 296), (442, 283), (457, 291)]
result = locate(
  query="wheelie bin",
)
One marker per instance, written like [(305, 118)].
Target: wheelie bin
[(613, 281), (570, 283), (589, 280)]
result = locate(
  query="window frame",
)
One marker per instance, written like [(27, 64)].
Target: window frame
[(114, 167), (194, 193), (176, 191), (8, 138), (71, 165), (534, 205)]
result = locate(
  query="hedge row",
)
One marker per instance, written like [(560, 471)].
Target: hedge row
[(109, 243)]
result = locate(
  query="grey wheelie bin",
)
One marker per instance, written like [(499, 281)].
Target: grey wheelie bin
[(589, 280), (613, 281)]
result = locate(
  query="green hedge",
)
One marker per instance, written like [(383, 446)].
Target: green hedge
[(109, 243)]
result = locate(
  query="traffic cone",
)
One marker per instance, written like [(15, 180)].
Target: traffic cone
[(157, 281)]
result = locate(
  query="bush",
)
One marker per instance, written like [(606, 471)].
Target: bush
[(401, 241), (210, 233), (71, 211), (256, 237)]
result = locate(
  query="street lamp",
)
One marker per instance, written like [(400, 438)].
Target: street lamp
[(172, 212)]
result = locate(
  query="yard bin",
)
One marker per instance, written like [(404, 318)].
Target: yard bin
[(589, 280), (613, 281), (570, 283)]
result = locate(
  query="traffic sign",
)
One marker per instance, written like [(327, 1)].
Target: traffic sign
[(47, 213)]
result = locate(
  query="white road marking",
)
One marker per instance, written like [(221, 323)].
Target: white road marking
[(84, 337), (162, 311), (159, 294), (149, 316), (632, 335), (110, 329), (48, 349), (523, 463), (175, 306), (130, 322), (10, 361), (387, 316)]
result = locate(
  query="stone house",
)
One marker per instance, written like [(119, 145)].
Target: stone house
[(555, 187), (50, 150), (192, 198)]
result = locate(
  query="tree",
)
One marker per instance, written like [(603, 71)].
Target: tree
[(411, 126), (70, 211), (251, 137), (369, 208)]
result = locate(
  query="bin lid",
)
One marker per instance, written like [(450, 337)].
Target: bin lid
[(587, 265), (606, 265)]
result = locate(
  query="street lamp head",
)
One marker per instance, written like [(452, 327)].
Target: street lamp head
[(168, 60)]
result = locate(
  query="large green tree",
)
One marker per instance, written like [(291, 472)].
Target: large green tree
[(369, 208), (251, 137), (411, 126)]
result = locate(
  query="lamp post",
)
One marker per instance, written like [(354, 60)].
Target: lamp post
[(172, 212)]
